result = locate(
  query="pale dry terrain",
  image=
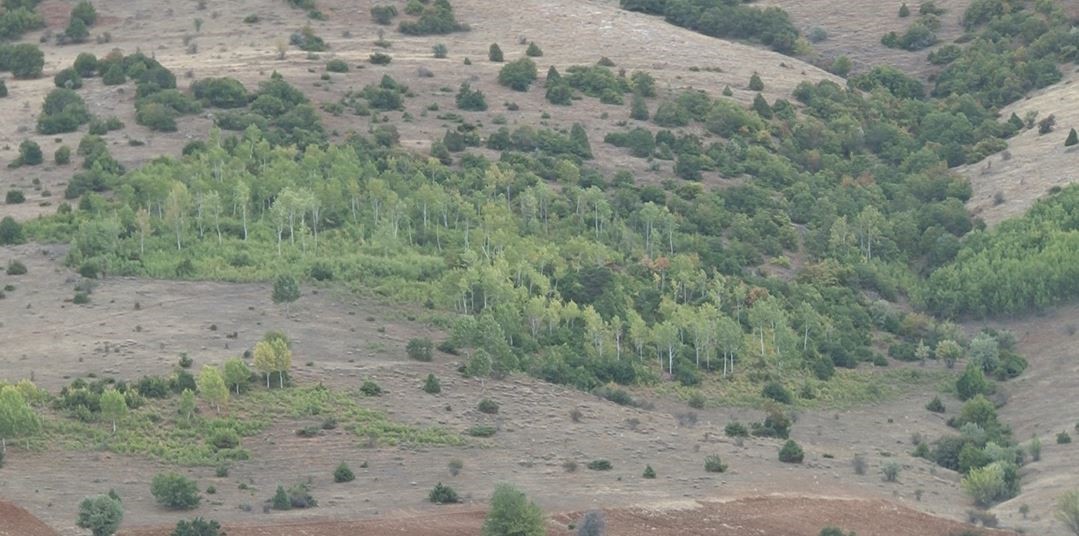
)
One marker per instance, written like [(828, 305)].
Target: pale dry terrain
[(1008, 183)]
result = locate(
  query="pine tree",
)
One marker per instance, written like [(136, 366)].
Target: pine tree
[(494, 53), (638, 108), (1073, 138), (755, 83)]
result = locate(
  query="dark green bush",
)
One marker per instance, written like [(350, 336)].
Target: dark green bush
[(736, 429), (383, 14), (791, 452), (432, 385), (649, 473), (337, 66), (420, 349), (343, 474), (68, 78), (600, 465), (442, 494), (198, 527), (16, 267), (370, 388), (174, 491), (776, 391), (487, 406), (935, 405), (220, 92), (713, 464), (471, 99), (518, 75)]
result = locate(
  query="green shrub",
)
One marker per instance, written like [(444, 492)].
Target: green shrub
[(776, 391), (775, 424), (713, 464), (224, 439), (101, 514), (494, 53), (383, 14), (487, 406), (650, 473), (11, 232), (890, 470), (599, 465), (972, 383), (512, 513), (560, 94), (696, 400), (222, 92), (62, 156), (435, 19), (833, 531), (791, 452), (432, 385), (68, 78), (442, 494), (736, 429), (1064, 438), (29, 153), (25, 60), (198, 527), (114, 75), (280, 499), (755, 83), (14, 197), (3, 89), (1073, 138), (370, 388), (935, 405), (306, 40), (174, 491), (343, 474), (85, 12), (987, 485), (420, 349), (518, 75), (156, 116), (533, 50), (470, 99), (379, 58)]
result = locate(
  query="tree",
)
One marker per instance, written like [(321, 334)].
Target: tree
[(212, 387), (17, 418), (1067, 511), (343, 474), (175, 491), (638, 108), (755, 83), (518, 75), (85, 12), (471, 99), (285, 290), (904, 11), (187, 405), (101, 514), (26, 60), (113, 406), (512, 514), (76, 30), (280, 500), (949, 351), (578, 139), (198, 527), (29, 153), (10, 232), (85, 64), (494, 53), (533, 50), (1073, 138), (236, 374), (791, 452), (272, 354)]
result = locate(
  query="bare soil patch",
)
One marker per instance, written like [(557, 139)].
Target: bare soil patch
[(15, 521)]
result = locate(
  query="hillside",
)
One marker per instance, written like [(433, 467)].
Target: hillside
[(417, 266), (1005, 185)]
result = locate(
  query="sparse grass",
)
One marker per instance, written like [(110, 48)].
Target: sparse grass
[(157, 431)]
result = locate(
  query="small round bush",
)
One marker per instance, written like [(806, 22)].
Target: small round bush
[(198, 527), (442, 494), (440, 50), (29, 153), (487, 406), (343, 474), (776, 391), (713, 464), (935, 405), (14, 197), (62, 156), (420, 349), (337, 66), (736, 429), (494, 53), (791, 452), (1063, 438), (175, 491), (370, 388)]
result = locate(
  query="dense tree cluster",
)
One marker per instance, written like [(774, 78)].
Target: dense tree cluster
[(725, 18)]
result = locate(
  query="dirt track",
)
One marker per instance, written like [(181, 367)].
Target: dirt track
[(15, 521)]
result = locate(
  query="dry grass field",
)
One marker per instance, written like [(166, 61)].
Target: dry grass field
[(1008, 183)]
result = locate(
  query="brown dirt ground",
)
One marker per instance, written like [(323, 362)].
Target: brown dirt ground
[(763, 516), (1033, 163), (228, 47), (15, 521)]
